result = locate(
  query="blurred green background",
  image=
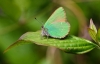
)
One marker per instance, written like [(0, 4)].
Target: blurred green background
[(17, 18)]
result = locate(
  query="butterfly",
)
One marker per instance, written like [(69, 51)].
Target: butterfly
[(57, 25)]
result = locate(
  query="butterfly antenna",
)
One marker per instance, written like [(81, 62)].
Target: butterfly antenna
[(39, 21)]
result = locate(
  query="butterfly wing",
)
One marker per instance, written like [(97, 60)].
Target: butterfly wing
[(58, 30), (56, 25)]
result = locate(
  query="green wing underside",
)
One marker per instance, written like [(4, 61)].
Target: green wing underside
[(57, 15), (56, 25), (58, 29)]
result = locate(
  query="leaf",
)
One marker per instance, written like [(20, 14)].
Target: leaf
[(92, 34), (98, 36), (70, 44), (92, 30), (92, 26)]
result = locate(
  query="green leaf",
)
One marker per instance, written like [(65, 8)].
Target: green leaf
[(92, 34), (98, 36), (70, 44), (92, 30), (92, 26)]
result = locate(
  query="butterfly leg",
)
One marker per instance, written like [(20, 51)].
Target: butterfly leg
[(42, 36), (45, 32)]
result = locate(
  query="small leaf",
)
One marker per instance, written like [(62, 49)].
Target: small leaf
[(92, 30), (92, 26), (92, 34), (70, 44), (98, 36)]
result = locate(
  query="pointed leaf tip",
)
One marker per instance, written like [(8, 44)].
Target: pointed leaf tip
[(92, 26)]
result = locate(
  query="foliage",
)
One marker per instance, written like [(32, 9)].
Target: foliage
[(17, 17), (94, 33)]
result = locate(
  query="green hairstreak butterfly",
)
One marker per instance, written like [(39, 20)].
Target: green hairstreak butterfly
[(57, 25)]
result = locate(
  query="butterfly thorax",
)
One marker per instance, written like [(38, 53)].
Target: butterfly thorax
[(44, 32)]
